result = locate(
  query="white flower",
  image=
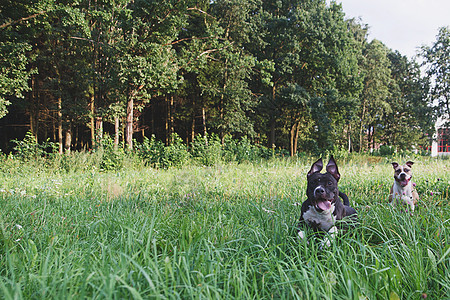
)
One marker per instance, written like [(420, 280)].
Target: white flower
[(18, 226)]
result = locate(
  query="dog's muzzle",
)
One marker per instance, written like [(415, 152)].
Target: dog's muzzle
[(322, 203), (403, 179)]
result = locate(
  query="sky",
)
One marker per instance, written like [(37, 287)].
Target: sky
[(403, 25)]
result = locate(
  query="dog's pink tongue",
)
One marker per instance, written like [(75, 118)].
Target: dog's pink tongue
[(324, 205)]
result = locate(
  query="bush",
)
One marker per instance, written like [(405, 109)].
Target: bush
[(244, 150), (176, 154), (30, 149), (385, 151), (207, 150), (151, 151), (155, 154), (111, 158)]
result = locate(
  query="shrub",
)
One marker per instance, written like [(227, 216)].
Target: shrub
[(111, 158), (207, 150), (385, 150), (151, 151), (176, 154), (30, 149), (155, 154)]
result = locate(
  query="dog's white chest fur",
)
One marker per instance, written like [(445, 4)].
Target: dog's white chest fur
[(403, 193), (325, 219)]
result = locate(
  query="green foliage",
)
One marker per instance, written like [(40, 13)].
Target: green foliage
[(385, 150), (206, 150), (176, 154), (243, 151), (151, 151), (112, 157), (155, 154), (14, 75), (437, 63), (30, 149), (287, 74)]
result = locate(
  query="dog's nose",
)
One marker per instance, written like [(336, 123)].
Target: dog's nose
[(319, 191)]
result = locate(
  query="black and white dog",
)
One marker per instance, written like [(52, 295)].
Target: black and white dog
[(323, 207)]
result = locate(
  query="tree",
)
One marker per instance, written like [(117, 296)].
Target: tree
[(149, 64), (374, 103), (310, 45), (411, 120), (14, 47), (437, 62)]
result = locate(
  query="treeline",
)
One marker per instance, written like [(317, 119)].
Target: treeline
[(294, 75)]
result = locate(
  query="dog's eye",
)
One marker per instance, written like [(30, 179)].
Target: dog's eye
[(397, 171), (330, 183), (406, 170)]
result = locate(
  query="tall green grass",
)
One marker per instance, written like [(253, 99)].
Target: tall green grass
[(221, 232)]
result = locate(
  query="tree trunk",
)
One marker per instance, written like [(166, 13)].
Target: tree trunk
[(363, 115), (171, 129), (373, 138), (98, 130), (193, 119), (349, 138), (129, 124), (152, 110), (68, 141), (272, 134), (204, 120), (77, 138), (92, 121), (34, 110), (60, 126), (291, 139), (272, 123), (297, 130), (116, 132)]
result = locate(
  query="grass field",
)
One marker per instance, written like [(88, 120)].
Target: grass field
[(223, 232)]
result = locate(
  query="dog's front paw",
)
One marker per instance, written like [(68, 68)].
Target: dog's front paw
[(302, 236), (326, 243), (331, 235)]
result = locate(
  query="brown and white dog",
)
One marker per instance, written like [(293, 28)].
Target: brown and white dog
[(403, 191)]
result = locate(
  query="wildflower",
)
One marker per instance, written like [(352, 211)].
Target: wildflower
[(18, 226), (431, 193), (268, 211)]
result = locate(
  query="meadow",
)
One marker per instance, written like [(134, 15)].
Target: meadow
[(226, 231)]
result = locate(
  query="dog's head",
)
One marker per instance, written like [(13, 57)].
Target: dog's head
[(403, 174), (322, 189)]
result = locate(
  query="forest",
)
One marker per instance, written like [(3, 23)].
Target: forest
[(284, 74)]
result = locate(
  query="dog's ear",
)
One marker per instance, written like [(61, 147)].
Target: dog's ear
[(333, 169), (316, 167), (395, 165), (409, 163)]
